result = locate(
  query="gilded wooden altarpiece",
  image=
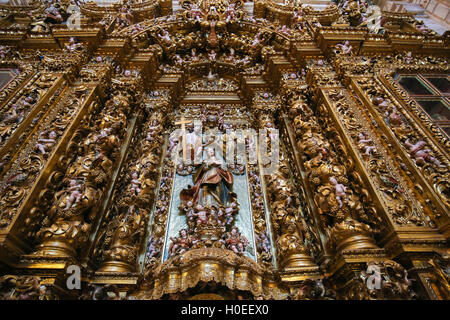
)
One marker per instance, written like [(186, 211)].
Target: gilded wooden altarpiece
[(88, 160)]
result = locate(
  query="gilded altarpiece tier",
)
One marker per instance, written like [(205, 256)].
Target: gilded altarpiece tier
[(222, 149)]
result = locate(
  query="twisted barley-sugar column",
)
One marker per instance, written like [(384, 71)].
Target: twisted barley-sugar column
[(286, 118), (85, 182), (338, 204), (292, 253), (133, 199)]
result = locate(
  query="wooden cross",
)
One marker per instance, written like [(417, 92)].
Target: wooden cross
[(183, 123)]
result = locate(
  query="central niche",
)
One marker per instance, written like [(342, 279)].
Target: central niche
[(210, 203), (214, 203)]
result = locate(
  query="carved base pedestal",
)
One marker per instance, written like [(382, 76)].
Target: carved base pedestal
[(356, 242), (352, 235), (116, 266), (55, 248), (298, 261)]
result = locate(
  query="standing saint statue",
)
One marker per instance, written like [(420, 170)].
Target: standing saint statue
[(212, 183)]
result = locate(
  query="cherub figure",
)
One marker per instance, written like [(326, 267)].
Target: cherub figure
[(173, 143), (339, 190), (408, 57), (230, 12), (244, 61), (344, 48), (124, 19), (420, 154), (178, 60), (298, 16), (182, 243), (231, 57), (229, 213), (100, 137), (28, 101), (75, 193), (72, 46), (315, 23), (365, 144), (152, 249), (201, 214), (53, 14), (382, 103), (3, 52), (13, 115), (194, 56), (136, 28), (195, 12), (212, 55), (164, 34), (213, 213), (235, 241), (189, 211), (240, 248), (264, 242), (258, 38), (135, 184), (153, 129), (284, 29), (220, 215), (44, 144), (394, 117)]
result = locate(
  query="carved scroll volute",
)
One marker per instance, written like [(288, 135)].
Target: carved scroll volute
[(86, 174), (337, 201), (292, 251)]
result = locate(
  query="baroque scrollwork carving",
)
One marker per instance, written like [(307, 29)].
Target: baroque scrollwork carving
[(350, 223), (426, 157), (87, 170), (387, 280), (18, 177), (401, 203), (81, 186), (24, 288), (125, 224)]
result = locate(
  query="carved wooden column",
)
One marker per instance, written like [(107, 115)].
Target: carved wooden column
[(123, 230), (72, 192), (48, 110), (412, 193), (63, 120), (293, 238), (83, 186), (345, 206), (348, 213)]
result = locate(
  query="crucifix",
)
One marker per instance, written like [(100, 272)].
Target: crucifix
[(183, 123)]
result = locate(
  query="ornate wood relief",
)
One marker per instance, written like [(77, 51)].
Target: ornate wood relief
[(348, 197)]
